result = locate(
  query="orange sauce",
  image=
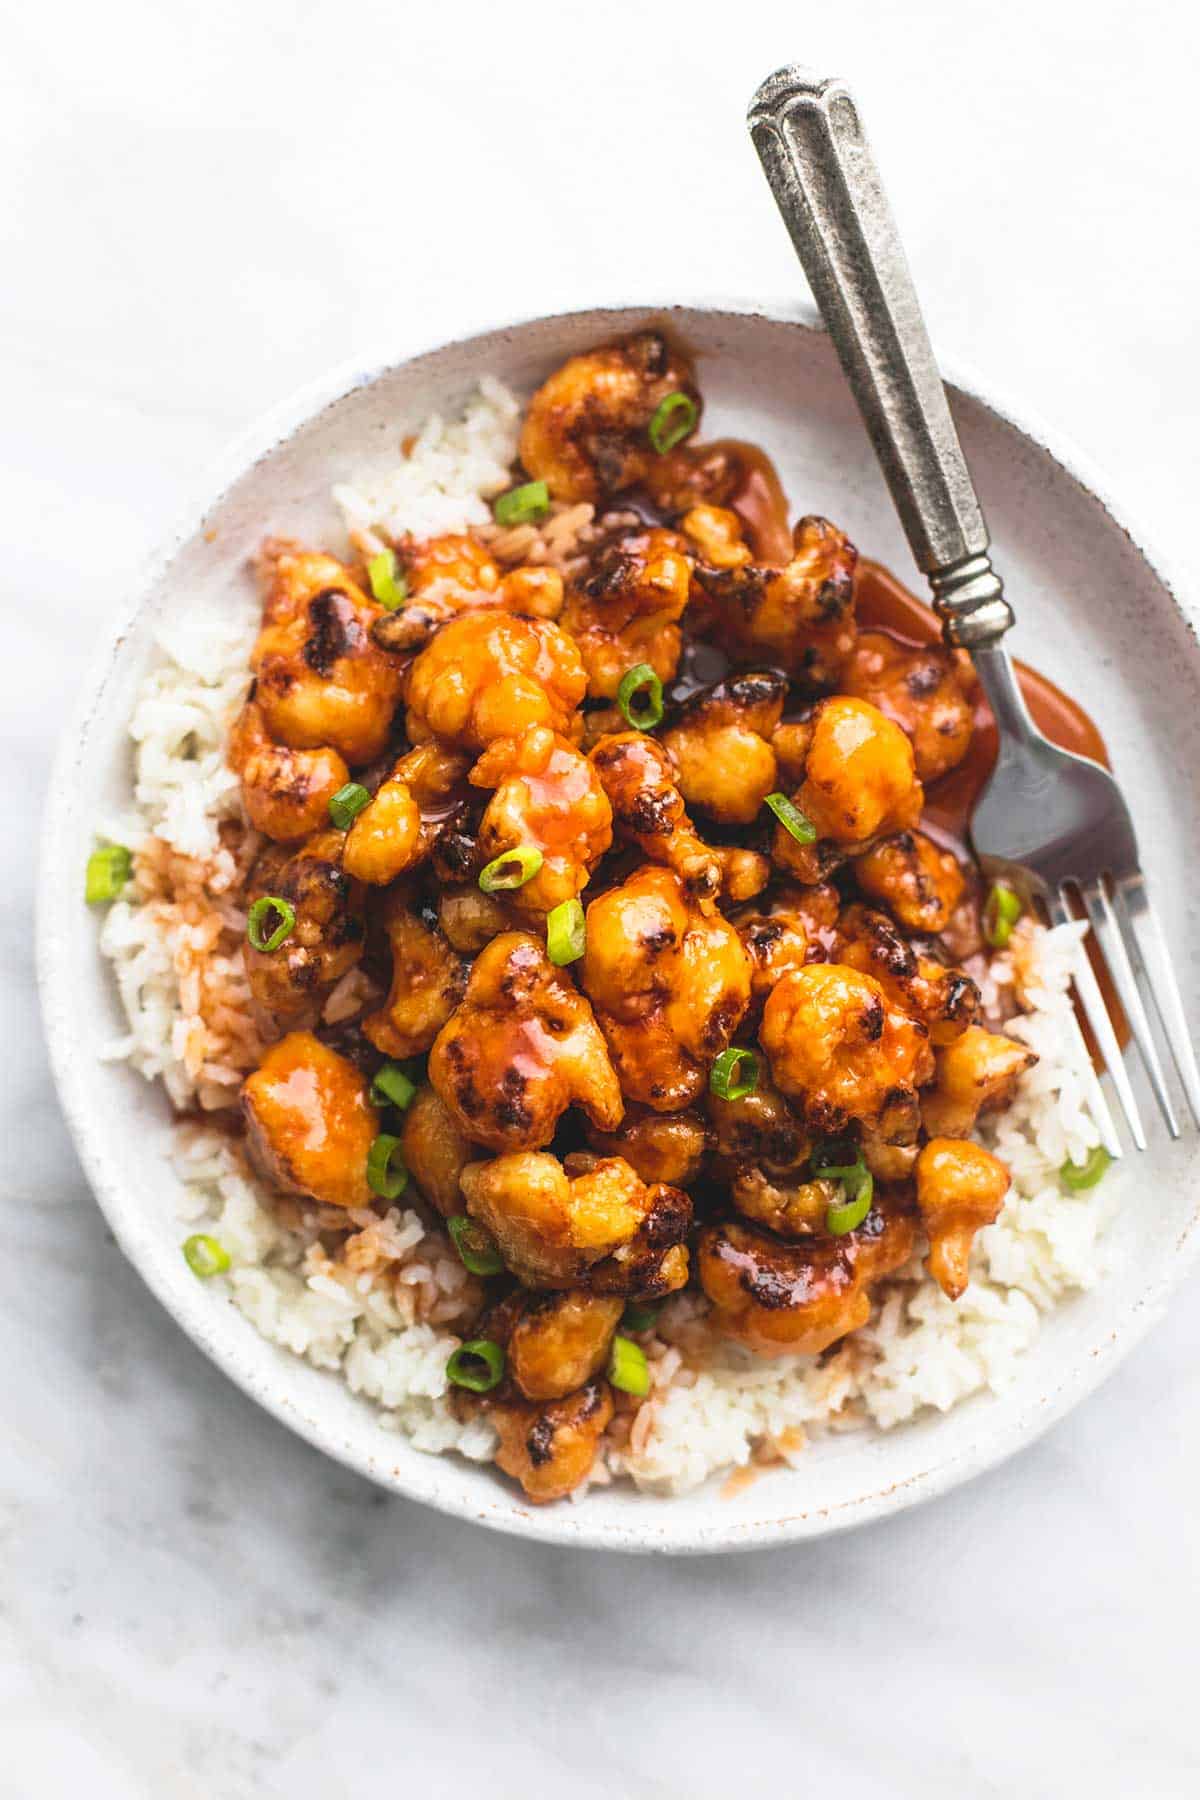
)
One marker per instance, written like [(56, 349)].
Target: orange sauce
[(758, 500), (740, 1480), (883, 604)]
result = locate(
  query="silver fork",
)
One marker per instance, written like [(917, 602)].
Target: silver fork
[(1050, 824)]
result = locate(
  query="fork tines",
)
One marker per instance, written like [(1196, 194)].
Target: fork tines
[(1130, 938)]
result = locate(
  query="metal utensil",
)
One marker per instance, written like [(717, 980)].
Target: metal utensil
[(1049, 823)]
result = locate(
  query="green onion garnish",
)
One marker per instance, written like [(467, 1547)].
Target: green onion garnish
[(640, 697), (205, 1255), (386, 1173), (478, 1365), (848, 1215), (523, 505), (858, 1190), (1078, 1176), (262, 936), (347, 803), (392, 1087), (388, 587), (640, 1315), (674, 419), (628, 1368), (734, 1074), (792, 819), (1001, 912), (512, 870), (566, 933), (108, 870), (475, 1245)]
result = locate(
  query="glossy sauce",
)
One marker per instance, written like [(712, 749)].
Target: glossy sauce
[(883, 604), (758, 500)]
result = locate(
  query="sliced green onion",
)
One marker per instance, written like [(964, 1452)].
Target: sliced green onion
[(347, 803), (522, 505), (261, 934), (108, 870), (1078, 1176), (512, 870), (628, 1368), (566, 933), (478, 1365), (792, 819), (858, 1191), (640, 697), (386, 1173), (674, 419), (640, 1315), (388, 587), (475, 1245), (734, 1074), (1000, 913), (392, 1087), (205, 1255), (848, 1215)]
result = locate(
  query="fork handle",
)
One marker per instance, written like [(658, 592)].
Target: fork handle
[(809, 138)]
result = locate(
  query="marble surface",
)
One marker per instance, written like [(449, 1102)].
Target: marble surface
[(206, 204)]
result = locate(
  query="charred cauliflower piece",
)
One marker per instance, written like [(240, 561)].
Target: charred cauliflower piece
[(550, 1446), (800, 617), (427, 983), (670, 985), (520, 1048), (918, 883), (286, 792), (289, 985), (960, 1189), (945, 1000), (761, 1150), (648, 809), (775, 938), (624, 608), (309, 1121), (721, 746), (977, 1072), (918, 689), (665, 1147), (491, 675), (560, 1341), (435, 1151), (603, 1228), (455, 574), (648, 812), (779, 1299), (859, 783), (844, 1052), (550, 798), (400, 825), (586, 429), (319, 679)]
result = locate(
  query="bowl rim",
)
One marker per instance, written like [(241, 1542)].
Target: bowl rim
[(55, 913)]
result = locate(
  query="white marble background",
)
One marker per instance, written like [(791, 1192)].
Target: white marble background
[(205, 203)]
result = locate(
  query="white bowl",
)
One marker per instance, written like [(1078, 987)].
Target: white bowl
[(1094, 613)]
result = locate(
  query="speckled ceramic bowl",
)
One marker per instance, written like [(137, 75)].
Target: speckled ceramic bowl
[(1094, 613)]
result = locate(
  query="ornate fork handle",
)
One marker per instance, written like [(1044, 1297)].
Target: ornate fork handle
[(810, 140)]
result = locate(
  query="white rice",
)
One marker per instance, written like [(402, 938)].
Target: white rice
[(387, 1326), (452, 469)]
